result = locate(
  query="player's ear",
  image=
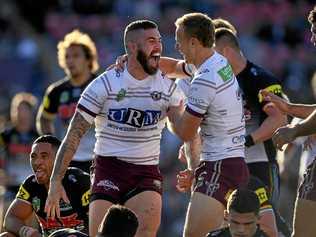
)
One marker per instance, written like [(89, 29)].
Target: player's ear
[(193, 41), (131, 47), (226, 51)]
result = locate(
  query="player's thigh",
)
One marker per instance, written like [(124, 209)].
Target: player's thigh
[(97, 210), (304, 218), (147, 206), (203, 215)]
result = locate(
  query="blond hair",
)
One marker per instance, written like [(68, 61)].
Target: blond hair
[(199, 26), (19, 98), (222, 23), (76, 37)]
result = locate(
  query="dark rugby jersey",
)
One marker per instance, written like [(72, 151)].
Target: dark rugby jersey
[(251, 80), (259, 188), (15, 148), (226, 233), (73, 215), (61, 98)]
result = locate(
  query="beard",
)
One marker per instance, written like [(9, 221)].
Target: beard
[(144, 62)]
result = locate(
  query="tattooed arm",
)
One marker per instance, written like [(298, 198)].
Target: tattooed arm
[(77, 128)]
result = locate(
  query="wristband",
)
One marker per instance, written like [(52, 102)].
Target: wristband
[(249, 141)]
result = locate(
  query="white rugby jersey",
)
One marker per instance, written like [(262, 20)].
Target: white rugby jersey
[(129, 114), (214, 95), (184, 84)]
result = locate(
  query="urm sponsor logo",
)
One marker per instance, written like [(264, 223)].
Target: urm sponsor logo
[(134, 117)]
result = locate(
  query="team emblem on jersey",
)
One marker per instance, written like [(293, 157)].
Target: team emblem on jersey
[(155, 95), (226, 73), (64, 97), (85, 198), (120, 95), (36, 204), (262, 195), (72, 178), (23, 194), (134, 117)]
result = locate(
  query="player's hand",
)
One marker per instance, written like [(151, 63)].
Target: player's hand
[(280, 103), (55, 193), (181, 155), (120, 62), (283, 135), (185, 180)]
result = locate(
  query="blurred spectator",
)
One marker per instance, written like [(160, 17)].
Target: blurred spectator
[(77, 55), (16, 142)]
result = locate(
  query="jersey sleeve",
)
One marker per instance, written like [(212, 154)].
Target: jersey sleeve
[(93, 97), (50, 102), (266, 81), (184, 84), (25, 190), (176, 95), (259, 188), (3, 148), (201, 94)]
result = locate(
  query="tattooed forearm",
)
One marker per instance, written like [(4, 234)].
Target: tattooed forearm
[(77, 128)]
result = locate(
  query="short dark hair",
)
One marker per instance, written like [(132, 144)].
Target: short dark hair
[(119, 221), (199, 26), (137, 25), (312, 15), (243, 201), (222, 23), (227, 35), (54, 141)]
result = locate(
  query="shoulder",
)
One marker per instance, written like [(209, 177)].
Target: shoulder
[(106, 80), (7, 132), (260, 189), (58, 85), (216, 69), (261, 75), (27, 188)]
